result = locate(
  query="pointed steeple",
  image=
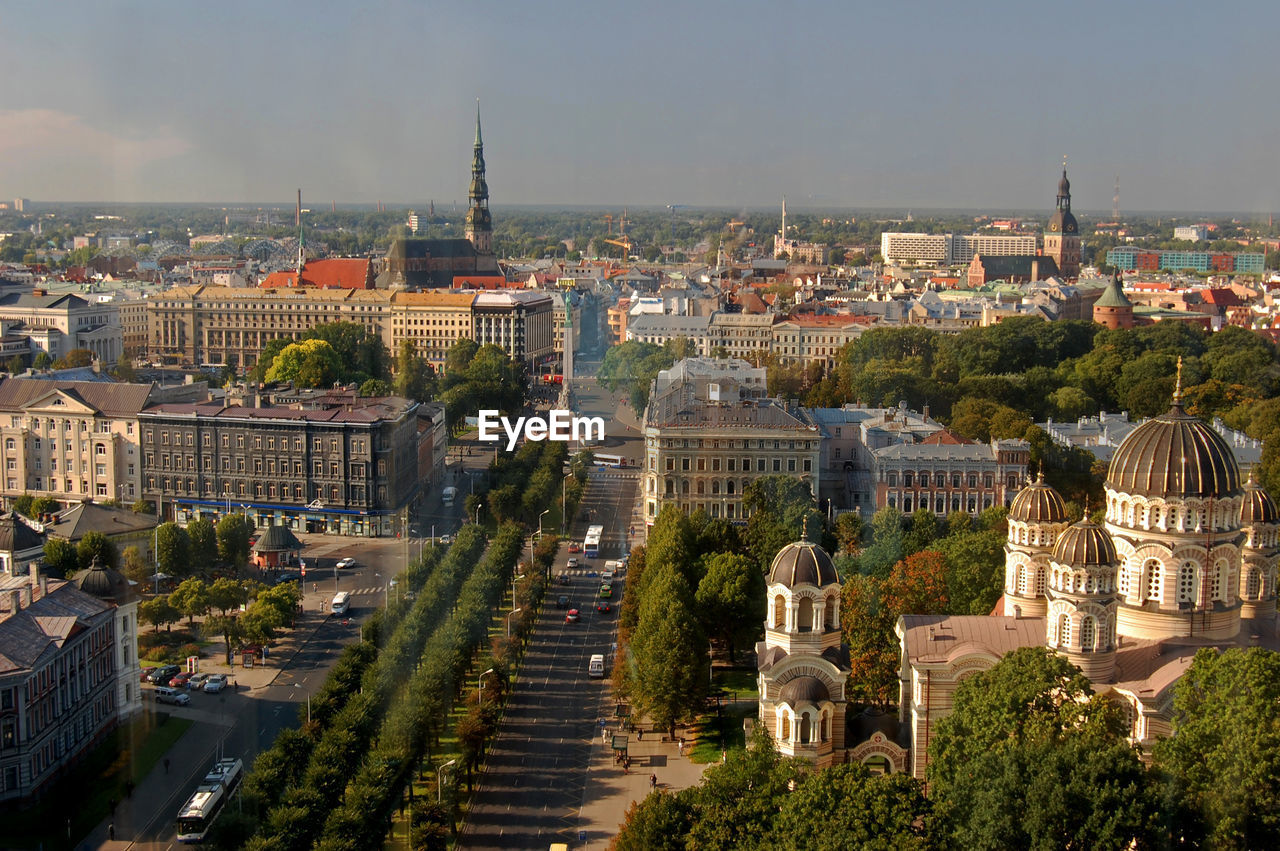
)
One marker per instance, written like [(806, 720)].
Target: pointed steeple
[(479, 224)]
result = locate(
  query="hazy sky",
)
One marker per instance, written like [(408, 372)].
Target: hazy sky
[(913, 104)]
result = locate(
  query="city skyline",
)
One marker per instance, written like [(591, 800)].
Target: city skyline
[(928, 108)]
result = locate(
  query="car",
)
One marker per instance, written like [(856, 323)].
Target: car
[(563, 579), (343, 564), (445, 539), (146, 673), (572, 616), (604, 607), (562, 602), (161, 676), (180, 681), (575, 548), (287, 576), (215, 683), (164, 694), (196, 681), (573, 562), (606, 591), (607, 576)]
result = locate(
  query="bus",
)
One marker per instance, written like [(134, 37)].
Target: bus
[(591, 544), (202, 808), (448, 495), (341, 602), (601, 460)]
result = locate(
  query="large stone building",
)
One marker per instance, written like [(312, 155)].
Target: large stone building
[(1186, 559), (56, 323), (70, 673), (944, 474), (709, 432), (343, 468)]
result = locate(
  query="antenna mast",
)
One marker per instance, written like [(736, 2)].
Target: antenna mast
[(1115, 202)]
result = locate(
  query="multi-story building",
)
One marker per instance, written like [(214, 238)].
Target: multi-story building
[(433, 320), (517, 320), (741, 334), (71, 440), (945, 475), (1191, 233), (1128, 258), (133, 326), (56, 323), (948, 248), (658, 329), (566, 319), (806, 338), (227, 273), (709, 433), (349, 468), (70, 673)]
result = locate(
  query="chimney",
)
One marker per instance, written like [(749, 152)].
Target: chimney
[(33, 571), (15, 601), (44, 586), (925, 413), (24, 598), (1017, 612)]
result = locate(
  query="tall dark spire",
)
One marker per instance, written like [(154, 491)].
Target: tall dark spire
[(479, 224)]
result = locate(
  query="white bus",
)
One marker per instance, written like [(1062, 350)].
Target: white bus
[(601, 460), (341, 602), (448, 495), (203, 807), (591, 544)]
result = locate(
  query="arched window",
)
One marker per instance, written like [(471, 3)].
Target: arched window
[(805, 621), (1253, 583), (684, 487), (1155, 580), (804, 728), (1064, 630), (715, 487), (1087, 634), (784, 728), (833, 611), (702, 487), (779, 612), (824, 730), (1215, 581), (728, 487), (1187, 582), (1022, 579), (1039, 580), (1124, 579)]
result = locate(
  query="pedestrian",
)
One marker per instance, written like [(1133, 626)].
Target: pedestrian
[(166, 765), (111, 831), (653, 781), (639, 734)]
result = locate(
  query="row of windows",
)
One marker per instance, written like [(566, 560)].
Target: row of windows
[(939, 503), (1151, 577), (911, 480), (806, 465), (206, 440), (699, 443), (261, 490), (98, 448), (259, 465), (99, 489)]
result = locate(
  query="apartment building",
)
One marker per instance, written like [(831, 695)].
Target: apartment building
[(806, 338), (708, 436), (517, 320), (349, 468), (56, 323), (433, 320), (134, 329), (71, 440), (945, 474), (62, 686), (948, 248), (741, 334)]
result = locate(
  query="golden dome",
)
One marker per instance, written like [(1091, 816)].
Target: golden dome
[(803, 563), (1258, 506), (1038, 503), (1174, 455), (1084, 544)]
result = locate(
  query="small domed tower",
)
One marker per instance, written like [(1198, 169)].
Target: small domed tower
[(1081, 622), (1173, 509), (111, 586), (1036, 518), (1113, 308), (802, 661), (1259, 554)]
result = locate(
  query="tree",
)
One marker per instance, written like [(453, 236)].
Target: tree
[(657, 822), (741, 796), (75, 359), (204, 545), (233, 540), (124, 371), (375, 387), (923, 532), (16, 365), (886, 542), (45, 505), (310, 363), (135, 567), (23, 503), (730, 599), (143, 506), (975, 570), (361, 355), (844, 807), (1222, 761), (226, 594), (413, 373), (173, 550), (669, 649), (61, 557), (849, 528), (191, 598), (96, 545), (157, 611), (43, 361), (1030, 757)]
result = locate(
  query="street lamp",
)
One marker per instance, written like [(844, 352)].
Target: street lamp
[(299, 685), (480, 684), (514, 580), (440, 779), (545, 511), (564, 505), (509, 614), (478, 507)]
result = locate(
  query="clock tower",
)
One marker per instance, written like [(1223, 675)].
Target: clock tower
[(1062, 237)]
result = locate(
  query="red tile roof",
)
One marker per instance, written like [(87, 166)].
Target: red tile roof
[(347, 273)]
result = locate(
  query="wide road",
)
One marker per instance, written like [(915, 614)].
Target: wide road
[(535, 778)]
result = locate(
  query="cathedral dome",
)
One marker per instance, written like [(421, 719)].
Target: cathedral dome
[(803, 563), (1085, 544), (1174, 455), (104, 583), (804, 690), (1258, 506), (1038, 503)]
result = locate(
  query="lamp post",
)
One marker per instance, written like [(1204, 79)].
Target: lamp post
[(440, 779), (299, 685), (564, 505), (514, 580), (545, 512), (480, 685), (509, 614), (478, 507)]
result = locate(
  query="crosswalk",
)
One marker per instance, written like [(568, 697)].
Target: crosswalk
[(615, 474)]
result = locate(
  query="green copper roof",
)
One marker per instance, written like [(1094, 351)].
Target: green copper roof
[(1113, 296)]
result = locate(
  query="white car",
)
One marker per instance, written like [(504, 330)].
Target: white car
[(345, 563), (215, 683), (573, 562)]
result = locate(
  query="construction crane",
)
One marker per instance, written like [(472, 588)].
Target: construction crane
[(625, 243), (734, 225), (609, 220)]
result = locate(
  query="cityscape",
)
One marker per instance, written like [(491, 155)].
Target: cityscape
[(410, 481)]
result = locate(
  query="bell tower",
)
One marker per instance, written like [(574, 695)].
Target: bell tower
[(479, 224), (1062, 237)]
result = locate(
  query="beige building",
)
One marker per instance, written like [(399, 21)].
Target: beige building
[(805, 339), (56, 323), (709, 433), (741, 334), (134, 330), (71, 440), (433, 320)]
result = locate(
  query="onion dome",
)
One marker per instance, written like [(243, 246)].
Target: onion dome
[(1084, 544), (104, 583), (804, 690), (803, 563), (1038, 503), (1258, 506), (1174, 455)]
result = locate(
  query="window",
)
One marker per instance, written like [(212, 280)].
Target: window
[(100, 449), (1087, 630), (1154, 580), (1187, 582), (1064, 630), (1253, 583)]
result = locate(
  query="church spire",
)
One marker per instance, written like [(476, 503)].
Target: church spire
[(479, 224)]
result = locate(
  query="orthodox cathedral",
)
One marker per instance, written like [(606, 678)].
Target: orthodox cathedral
[(1186, 558)]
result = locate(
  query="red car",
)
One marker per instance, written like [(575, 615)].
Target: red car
[(147, 672), (180, 681), (603, 607), (575, 548), (572, 616)]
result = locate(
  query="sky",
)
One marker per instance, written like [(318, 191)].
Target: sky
[(701, 103)]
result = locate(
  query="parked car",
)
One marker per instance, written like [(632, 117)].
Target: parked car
[(147, 672), (572, 616), (287, 576), (161, 676), (180, 680), (196, 681), (604, 607), (215, 683), (165, 694), (345, 563), (573, 562), (575, 548)]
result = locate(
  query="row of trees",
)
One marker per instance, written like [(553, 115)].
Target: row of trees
[(477, 377), (523, 483), (632, 366), (344, 352), (1030, 757), (291, 814)]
